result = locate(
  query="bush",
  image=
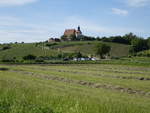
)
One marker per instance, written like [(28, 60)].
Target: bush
[(29, 57), (8, 59), (4, 69), (51, 44), (114, 57), (39, 60), (6, 47)]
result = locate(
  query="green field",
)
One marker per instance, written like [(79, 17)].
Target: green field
[(75, 88)]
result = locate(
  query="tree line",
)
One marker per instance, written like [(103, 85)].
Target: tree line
[(137, 43)]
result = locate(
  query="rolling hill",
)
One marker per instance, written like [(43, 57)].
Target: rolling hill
[(85, 47)]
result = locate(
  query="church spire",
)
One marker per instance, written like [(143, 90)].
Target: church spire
[(78, 32), (79, 28)]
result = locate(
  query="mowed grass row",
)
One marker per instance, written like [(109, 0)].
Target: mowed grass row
[(90, 77), (115, 70), (22, 93)]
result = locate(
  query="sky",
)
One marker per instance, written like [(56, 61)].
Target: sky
[(38, 20)]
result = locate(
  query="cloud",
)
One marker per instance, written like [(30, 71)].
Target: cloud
[(15, 2), (137, 3), (119, 11), (14, 29), (94, 29)]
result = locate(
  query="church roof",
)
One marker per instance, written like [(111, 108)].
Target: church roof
[(70, 32)]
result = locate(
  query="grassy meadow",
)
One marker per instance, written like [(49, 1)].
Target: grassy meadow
[(75, 88)]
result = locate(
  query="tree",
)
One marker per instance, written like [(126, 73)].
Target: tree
[(129, 37), (118, 39), (138, 44), (102, 49), (73, 37), (64, 38), (78, 55), (148, 43)]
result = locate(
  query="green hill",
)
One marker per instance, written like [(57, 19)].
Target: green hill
[(20, 50), (52, 49), (117, 50)]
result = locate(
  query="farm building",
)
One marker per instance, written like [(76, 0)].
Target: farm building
[(54, 40)]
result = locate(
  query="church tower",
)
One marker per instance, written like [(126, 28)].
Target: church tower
[(79, 28), (78, 32)]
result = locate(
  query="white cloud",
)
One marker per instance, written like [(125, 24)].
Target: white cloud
[(120, 11), (94, 29), (137, 3), (15, 2), (14, 29)]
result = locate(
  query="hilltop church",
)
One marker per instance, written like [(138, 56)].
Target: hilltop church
[(73, 32), (69, 35)]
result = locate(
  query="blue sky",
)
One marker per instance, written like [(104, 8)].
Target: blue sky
[(37, 20)]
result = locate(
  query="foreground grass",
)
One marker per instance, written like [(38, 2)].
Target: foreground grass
[(21, 93)]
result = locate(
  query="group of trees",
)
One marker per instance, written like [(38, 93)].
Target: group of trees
[(137, 43), (57, 56), (70, 55), (126, 39), (79, 38)]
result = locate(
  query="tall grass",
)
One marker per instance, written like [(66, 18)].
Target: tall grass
[(28, 94)]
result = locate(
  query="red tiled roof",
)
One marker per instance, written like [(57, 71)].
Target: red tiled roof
[(69, 32)]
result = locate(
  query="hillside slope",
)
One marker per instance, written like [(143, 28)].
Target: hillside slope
[(20, 50), (86, 48)]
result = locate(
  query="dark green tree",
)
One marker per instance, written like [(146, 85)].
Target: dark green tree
[(148, 43), (73, 37), (78, 55), (64, 38), (102, 49), (129, 37), (138, 44)]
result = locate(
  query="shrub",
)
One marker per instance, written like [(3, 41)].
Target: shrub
[(3, 69), (51, 44), (39, 60), (6, 47), (7, 59), (29, 57)]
